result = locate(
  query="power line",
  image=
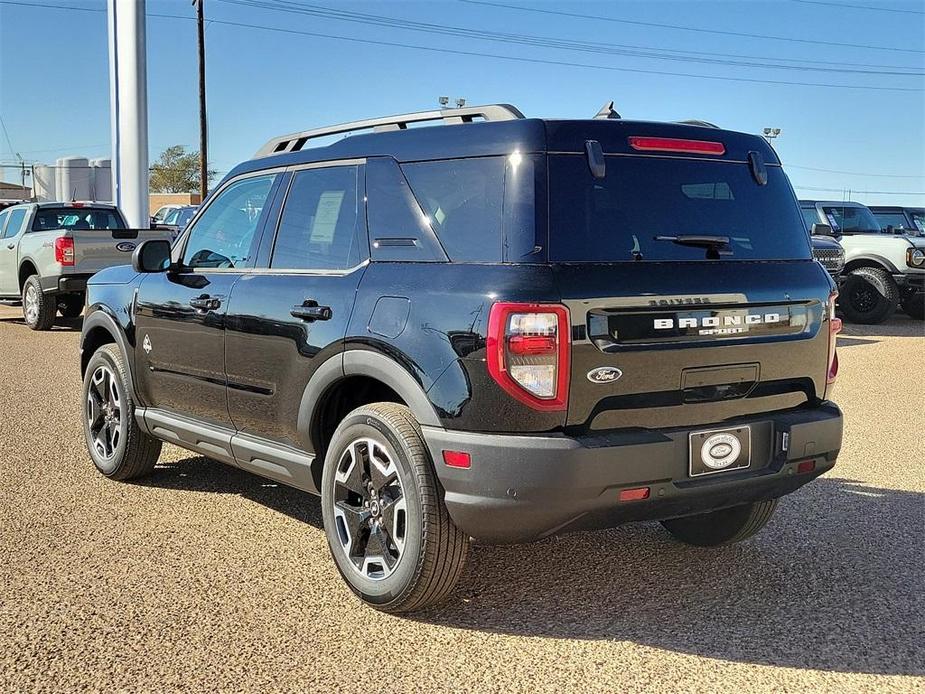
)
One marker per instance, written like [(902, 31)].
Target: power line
[(647, 52), (859, 192), (538, 61), (600, 18), (846, 6), (853, 173)]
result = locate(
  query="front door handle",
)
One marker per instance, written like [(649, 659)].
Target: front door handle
[(11, 246), (311, 311), (205, 303)]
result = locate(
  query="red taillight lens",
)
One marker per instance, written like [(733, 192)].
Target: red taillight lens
[(457, 459), (64, 251), (835, 326), (673, 144), (529, 352)]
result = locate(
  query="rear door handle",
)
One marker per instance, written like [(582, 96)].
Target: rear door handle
[(205, 303), (311, 311)]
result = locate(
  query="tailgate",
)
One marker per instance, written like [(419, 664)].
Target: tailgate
[(685, 344), (97, 249)]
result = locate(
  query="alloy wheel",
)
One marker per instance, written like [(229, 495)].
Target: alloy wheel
[(31, 304), (370, 512), (105, 415)]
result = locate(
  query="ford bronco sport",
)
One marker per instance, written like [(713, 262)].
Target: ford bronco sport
[(500, 329)]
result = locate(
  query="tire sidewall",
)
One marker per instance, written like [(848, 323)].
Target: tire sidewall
[(404, 576), (882, 286), (107, 467), (32, 282)]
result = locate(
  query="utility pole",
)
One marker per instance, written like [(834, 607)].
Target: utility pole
[(203, 127)]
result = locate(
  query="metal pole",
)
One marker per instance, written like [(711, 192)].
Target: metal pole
[(129, 109), (203, 127)]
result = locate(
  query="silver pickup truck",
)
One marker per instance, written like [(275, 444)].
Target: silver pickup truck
[(48, 250)]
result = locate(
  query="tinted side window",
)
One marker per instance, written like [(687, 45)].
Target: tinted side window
[(318, 229), (224, 234), (809, 216), (463, 201), (14, 224)]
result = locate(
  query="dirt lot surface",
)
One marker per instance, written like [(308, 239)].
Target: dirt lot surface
[(206, 577)]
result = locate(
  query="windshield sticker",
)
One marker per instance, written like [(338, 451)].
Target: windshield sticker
[(831, 218)]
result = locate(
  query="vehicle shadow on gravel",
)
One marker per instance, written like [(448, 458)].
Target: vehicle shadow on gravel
[(898, 326), (834, 582), (61, 324)]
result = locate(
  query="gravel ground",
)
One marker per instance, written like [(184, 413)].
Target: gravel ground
[(206, 577)]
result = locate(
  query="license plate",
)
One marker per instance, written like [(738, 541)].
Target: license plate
[(720, 450)]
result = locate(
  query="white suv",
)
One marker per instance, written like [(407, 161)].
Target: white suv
[(882, 270)]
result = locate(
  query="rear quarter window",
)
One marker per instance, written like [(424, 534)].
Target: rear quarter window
[(463, 201)]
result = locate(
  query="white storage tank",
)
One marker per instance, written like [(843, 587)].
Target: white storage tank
[(43, 182), (101, 181), (75, 178)]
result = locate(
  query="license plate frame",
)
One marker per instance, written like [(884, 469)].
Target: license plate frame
[(697, 457)]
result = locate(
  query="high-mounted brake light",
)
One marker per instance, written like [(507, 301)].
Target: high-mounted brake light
[(673, 144), (64, 250), (529, 353)]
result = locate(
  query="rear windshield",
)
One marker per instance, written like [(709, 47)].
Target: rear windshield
[(616, 218), (76, 218), (851, 219)]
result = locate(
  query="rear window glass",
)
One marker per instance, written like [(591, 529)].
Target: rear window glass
[(463, 201), (76, 218), (617, 217)]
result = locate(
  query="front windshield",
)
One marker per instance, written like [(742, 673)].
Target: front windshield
[(851, 219), (918, 218)]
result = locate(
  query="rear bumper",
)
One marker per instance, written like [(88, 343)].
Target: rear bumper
[(65, 283), (524, 487)]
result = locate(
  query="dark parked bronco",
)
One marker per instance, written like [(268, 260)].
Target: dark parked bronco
[(500, 329)]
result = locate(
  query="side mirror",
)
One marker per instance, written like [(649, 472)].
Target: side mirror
[(152, 256), (822, 230)]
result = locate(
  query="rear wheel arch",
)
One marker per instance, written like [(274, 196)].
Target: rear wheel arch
[(26, 270)]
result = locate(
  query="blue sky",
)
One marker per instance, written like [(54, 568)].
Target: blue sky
[(54, 81)]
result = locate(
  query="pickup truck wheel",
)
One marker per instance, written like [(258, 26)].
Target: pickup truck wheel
[(70, 305), (119, 448), (388, 529), (722, 527), (37, 308), (869, 296), (914, 306)]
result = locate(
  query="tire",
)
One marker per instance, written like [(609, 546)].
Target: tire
[(118, 447), (70, 305), (38, 308), (914, 306), (722, 527), (869, 296), (401, 552)]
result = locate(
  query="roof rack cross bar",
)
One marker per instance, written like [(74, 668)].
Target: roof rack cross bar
[(449, 116)]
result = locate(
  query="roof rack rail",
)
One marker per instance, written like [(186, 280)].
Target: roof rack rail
[(702, 123), (450, 116)]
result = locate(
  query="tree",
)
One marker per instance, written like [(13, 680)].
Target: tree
[(176, 171)]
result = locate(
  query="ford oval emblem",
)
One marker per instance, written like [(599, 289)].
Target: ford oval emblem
[(125, 247), (604, 374)]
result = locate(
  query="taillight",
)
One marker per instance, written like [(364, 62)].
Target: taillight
[(674, 144), (528, 353), (835, 326), (64, 251)]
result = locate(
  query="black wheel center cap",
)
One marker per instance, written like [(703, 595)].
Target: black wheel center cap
[(374, 508)]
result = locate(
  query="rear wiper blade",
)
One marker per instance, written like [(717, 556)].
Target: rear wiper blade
[(699, 240)]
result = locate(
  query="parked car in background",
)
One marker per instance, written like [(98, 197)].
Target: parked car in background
[(829, 252), (502, 330), (882, 270), (48, 250), (909, 220), (177, 219), (162, 212)]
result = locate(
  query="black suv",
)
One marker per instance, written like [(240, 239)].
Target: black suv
[(499, 329)]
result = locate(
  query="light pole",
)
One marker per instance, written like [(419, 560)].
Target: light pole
[(203, 126), (770, 133)]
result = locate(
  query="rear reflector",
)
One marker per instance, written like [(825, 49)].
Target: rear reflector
[(673, 144), (806, 466), (457, 459), (637, 494)]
